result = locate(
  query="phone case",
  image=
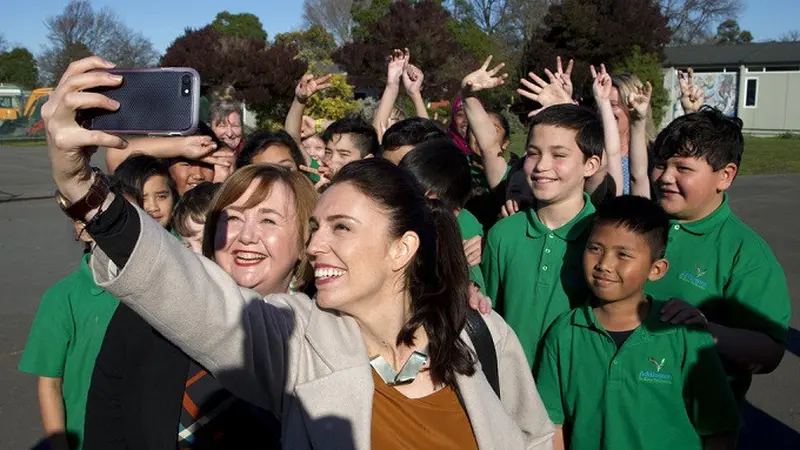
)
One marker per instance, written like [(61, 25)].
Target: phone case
[(152, 101)]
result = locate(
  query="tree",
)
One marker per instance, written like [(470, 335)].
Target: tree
[(314, 45), (264, 76), (3, 43), (647, 67), (18, 66), (417, 26), (80, 30), (595, 32), (691, 21), (335, 102), (728, 32), (332, 15), (790, 36), (244, 25)]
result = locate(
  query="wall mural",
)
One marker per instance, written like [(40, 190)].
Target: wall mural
[(719, 88)]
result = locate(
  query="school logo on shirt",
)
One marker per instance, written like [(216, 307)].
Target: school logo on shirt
[(695, 278), (656, 376)]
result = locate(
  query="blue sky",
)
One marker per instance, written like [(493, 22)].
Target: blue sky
[(162, 21)]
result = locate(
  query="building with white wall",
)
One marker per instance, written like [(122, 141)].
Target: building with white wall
[(759, 83)]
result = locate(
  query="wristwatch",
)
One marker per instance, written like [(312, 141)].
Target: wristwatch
[(93, 199)]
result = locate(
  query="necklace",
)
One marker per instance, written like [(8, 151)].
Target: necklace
[(407, 373)]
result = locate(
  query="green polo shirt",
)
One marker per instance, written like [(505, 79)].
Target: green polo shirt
[(479, 176), (470, 227), (724, 268), (66, 337), (532, 272), (662, 389)]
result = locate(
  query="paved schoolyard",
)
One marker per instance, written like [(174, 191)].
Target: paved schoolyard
[(37, 249)]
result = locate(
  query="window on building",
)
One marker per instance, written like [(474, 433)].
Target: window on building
[(751, 93)]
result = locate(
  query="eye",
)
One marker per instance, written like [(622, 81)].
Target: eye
[(341, 227), (593, 248), (268, 221), (684, 169), (230, 218), (625, 255), (659, 166), (163, 196), (559, 156)]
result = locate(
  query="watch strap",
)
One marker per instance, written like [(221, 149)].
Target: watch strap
[(98, 192)]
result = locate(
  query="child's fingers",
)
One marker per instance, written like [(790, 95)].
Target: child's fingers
[(593, 71), (306, 169)]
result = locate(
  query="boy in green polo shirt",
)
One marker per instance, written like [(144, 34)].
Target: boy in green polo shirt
[(440, 169), (62, 346), (532, 260), (612, 374), (725, 276)]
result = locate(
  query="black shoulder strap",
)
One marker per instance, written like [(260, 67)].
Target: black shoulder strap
[(484, 346)]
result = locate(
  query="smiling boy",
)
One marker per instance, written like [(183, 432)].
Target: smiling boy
[(347, 140), (724, 276), (612, 374), (532, 260)]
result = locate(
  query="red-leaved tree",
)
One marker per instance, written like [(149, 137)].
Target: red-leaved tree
[(263, 76)]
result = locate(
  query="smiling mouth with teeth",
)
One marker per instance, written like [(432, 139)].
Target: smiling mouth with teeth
[(247, 256), (327, 273)]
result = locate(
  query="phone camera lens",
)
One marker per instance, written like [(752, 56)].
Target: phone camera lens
[(186, 80)]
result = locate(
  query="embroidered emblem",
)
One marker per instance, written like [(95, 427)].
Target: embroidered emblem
[(699, 270), (659, 365)]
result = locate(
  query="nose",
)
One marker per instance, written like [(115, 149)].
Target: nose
[(604, 263), (542, 164), (150, 206), (250, 233), (664, 175), (196, 173), (316, 245)]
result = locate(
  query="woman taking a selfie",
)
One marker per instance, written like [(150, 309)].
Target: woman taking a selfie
[(380, 357)]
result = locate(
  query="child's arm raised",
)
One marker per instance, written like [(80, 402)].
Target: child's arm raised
[(692, 96), (190, 147), (612, 159), (558, 91), (308, 86), (412, 82), (494, 165), (640, 101), (398, 63)]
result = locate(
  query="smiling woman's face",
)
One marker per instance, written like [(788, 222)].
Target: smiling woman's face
[(260, 246)]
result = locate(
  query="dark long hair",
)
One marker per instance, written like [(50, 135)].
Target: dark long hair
[(437, 278)]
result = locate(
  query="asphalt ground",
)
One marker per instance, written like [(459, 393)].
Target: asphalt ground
[(37, 249)]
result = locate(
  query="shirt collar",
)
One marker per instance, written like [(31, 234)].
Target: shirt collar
[(709, 222), (86, 271), (571, 231), (652, 323)]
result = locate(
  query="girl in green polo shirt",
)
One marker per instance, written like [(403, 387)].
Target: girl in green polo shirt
[(612, 374)]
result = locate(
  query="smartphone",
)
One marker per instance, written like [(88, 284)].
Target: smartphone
[(159, 101)]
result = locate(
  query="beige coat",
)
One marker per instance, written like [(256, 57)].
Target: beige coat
[(307, 365)]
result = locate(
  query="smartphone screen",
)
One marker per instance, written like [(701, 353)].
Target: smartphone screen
[(161, 101)]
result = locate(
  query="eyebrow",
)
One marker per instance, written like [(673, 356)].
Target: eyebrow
[(241, 209), (334, 217)]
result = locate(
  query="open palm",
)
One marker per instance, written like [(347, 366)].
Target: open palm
[(310, 85), (484, 78), (640, 101)]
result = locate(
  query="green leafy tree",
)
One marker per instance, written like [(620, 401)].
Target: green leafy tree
[(335, 102), (729, 32), (647, 67), (243, 25), (314, 45), (366, 16), (18, 66)]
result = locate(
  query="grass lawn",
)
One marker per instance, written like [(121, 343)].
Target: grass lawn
[(761, 155)]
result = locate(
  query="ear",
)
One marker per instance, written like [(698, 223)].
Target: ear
[(590, 166), (403, 250), (505, 145), (658, 269), (726, 176), (457, 211)]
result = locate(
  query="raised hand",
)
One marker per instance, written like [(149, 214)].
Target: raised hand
[(545, 93), (602, 83), (484, 78), (640, 101), (310, 85), (412, 79), (197, 147), (565, 76), (692, 96), (398, 61)]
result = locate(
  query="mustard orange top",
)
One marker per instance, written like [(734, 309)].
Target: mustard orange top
[(436, 421)]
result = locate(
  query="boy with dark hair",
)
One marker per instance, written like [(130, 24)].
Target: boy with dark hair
[(189, 217), (266, 147), (347, 140), (724, 277), (440, 168), (532, 260), (612, 374), (403, 136)]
